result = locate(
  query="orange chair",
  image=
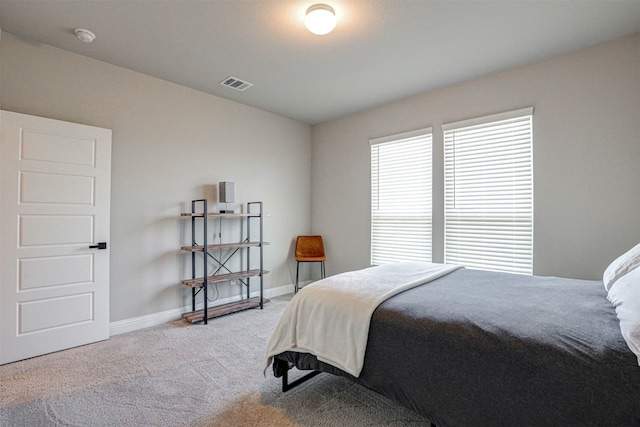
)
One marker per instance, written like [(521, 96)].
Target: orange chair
[(309, 249)]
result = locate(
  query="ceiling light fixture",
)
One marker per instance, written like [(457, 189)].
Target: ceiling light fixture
[(85, 35), (321, 19)]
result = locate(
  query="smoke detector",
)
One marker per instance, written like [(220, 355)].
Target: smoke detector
[(85, 35)]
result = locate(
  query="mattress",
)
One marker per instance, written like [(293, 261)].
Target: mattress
[(477, 348)]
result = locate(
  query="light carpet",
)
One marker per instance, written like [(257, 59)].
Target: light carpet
[(179, 374)]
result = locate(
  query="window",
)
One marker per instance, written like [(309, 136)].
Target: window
[(401, 198), (489, 192)]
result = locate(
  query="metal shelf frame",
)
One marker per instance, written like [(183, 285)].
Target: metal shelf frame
[(222, 273)]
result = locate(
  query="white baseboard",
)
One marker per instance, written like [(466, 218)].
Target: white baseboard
[(135, 323)]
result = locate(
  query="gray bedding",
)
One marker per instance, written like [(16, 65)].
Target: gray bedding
[(477, 348)]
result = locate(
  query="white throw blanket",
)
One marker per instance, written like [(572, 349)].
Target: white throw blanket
[(330, 318)]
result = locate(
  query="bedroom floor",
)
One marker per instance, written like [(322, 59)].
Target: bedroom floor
[(184, 375)]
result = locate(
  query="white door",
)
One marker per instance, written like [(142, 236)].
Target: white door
[(55, 196)]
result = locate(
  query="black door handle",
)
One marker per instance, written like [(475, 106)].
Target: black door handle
[(101, 245)]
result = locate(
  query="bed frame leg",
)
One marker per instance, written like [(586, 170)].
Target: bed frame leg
[(286, 386), (285, 380)]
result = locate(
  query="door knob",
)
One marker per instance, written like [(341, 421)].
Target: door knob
[(101, 245)]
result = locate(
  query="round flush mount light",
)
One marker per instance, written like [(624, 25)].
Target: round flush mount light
[(85, 35), (321, 19)]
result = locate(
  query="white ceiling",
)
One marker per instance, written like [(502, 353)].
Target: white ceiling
[(380, 51)]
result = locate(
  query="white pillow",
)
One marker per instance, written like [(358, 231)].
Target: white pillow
[(621, 266), (625, 296)]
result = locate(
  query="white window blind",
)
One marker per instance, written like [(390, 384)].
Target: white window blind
[(489, 192), (401, 198)]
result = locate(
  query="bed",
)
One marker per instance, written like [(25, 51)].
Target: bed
[(479, 348)]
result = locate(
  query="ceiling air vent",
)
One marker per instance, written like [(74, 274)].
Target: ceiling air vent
[(235, 83)]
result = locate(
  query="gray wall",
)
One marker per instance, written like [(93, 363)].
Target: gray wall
[(586, 158), (171, 144)]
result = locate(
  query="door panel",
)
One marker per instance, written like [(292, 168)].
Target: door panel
[(56, 188), (41, 272), (39, 230), (55, 196), (50, 146), (49, 313)]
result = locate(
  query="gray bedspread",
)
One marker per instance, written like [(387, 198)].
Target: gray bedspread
[(478, 348)]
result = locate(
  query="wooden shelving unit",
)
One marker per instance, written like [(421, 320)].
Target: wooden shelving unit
[(222, 273)]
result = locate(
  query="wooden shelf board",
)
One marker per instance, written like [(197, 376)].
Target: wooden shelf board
[(223, 246), (199, 282), (224, 309), (226, 215)]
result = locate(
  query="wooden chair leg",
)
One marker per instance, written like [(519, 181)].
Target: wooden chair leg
[(295, 289)]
